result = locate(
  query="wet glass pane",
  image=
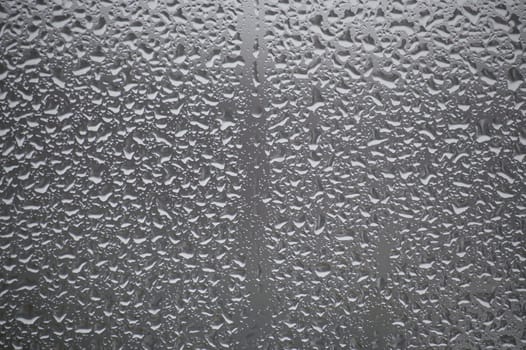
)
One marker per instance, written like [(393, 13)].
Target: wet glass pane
[(180, 174)]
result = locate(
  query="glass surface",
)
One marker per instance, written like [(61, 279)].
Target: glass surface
[(180, 174)]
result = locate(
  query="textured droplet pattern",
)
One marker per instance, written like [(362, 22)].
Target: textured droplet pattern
[(292, 174)]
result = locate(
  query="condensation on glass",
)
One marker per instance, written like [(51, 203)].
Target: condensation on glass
[(262, 174)]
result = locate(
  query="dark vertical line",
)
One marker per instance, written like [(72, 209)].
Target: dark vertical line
[(253, 158)]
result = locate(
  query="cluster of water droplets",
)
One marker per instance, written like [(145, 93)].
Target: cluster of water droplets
[(262, 174)]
